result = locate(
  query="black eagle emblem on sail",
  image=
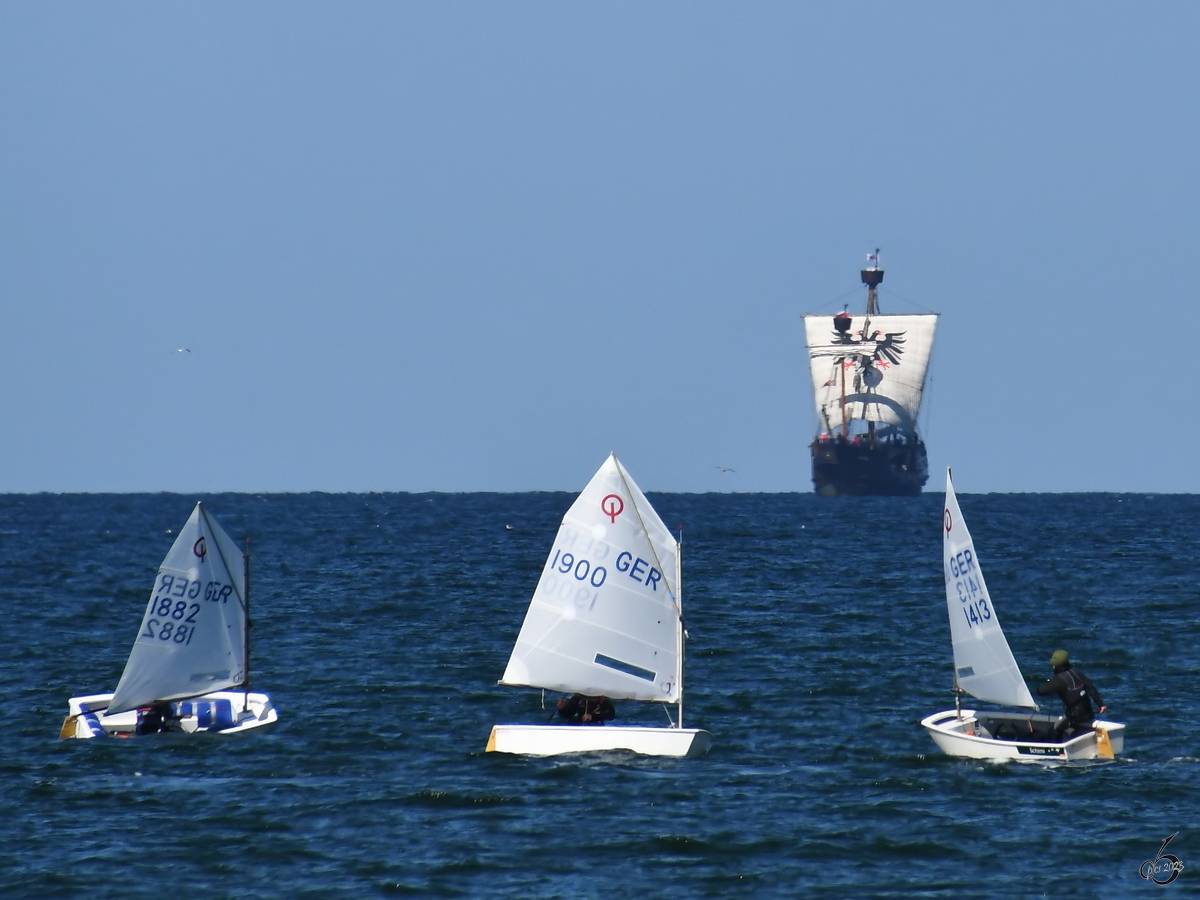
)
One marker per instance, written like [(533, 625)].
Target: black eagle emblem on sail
[(886, 347), (889, 346)]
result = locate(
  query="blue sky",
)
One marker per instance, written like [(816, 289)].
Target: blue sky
[(477, 246)]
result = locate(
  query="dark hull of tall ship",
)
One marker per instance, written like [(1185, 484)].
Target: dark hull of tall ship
[(849, 468)]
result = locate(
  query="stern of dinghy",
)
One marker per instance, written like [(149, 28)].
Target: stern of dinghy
[(1111, 734), (83, 726), (83, 717), (701, 741)]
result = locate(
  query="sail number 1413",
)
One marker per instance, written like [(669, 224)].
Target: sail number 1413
[(970, 590)]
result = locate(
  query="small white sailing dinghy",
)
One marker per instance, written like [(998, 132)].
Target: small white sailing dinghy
[(605, 620), (193, 644), (984, 668)]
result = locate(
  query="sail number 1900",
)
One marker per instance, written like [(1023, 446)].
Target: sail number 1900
[(582, 569)]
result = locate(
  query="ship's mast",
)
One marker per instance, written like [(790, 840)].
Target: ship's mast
[(872, 277), (845, 424), (841, 324)]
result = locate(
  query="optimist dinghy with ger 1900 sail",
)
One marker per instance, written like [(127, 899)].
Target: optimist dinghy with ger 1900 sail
[(193, 643), (605, 620), (984, 668)]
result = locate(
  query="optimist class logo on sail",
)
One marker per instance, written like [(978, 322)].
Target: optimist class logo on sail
[(613, 506)]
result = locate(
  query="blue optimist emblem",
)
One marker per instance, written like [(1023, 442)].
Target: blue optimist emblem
[(1164, 868)]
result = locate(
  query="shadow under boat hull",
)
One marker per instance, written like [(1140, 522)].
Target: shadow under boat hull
[(974, 736), (849, 468), (552, 740), (220, 712)]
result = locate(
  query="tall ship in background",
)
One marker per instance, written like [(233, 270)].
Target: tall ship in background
[(868, 375)]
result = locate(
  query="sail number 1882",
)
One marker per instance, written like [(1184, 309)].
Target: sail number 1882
[(175, 620)]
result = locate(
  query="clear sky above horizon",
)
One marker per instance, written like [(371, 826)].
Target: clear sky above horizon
[(468, 246)]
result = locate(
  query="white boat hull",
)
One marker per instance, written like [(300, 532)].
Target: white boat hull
[(552, 740), (964, 737), (221, 712)]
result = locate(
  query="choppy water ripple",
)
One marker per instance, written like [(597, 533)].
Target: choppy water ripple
[(818, 640)]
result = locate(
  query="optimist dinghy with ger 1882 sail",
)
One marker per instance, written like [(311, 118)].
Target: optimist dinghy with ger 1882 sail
[(984, 668), (605, 620), (193, 643)]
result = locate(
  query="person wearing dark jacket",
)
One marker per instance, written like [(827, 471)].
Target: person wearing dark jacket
[(1073, 689), (156, 718), (584, 710)]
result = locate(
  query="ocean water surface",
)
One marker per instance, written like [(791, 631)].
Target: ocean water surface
[(818, 641)]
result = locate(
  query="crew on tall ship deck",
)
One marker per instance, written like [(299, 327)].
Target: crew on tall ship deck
[(584, 710), (1073, 689), (891, 439)]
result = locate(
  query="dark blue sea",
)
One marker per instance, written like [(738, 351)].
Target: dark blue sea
[(818, 641)]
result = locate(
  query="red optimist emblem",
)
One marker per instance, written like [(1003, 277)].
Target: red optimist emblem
[(200, 548), (948, 521), (613, 506)]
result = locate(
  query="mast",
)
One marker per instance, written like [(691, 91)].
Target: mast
[(872, 277), (246, 583), (845, 423), (679, 623), (958, 691), (841, 324)]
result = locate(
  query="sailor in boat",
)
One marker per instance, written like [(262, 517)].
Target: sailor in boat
[(1073, 688), (157, 717), (581, 709)]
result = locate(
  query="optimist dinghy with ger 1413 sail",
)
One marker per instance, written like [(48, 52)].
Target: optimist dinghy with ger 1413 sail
[(193, 643), (984, 668), (605, 620)]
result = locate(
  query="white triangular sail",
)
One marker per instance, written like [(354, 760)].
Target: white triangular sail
[(193, 636), (605, 617), (983, 664), (879, 363)]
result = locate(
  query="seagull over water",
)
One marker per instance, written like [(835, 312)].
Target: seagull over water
[(183, 350), (726, 469)]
